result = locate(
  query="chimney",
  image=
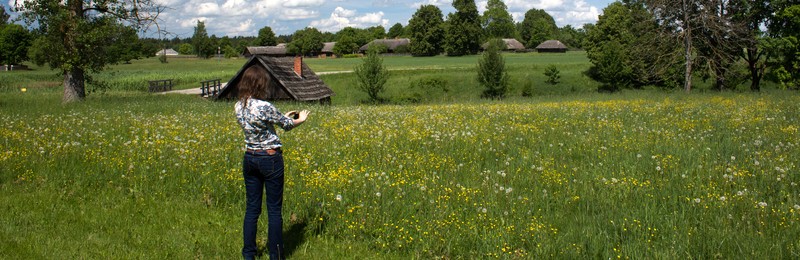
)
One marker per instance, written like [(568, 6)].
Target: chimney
[(298, 65)]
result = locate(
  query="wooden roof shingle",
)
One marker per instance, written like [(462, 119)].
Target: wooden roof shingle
[(308, 87)]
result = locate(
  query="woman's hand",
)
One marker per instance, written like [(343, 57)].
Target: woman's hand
[(303, 115), (298, 117)]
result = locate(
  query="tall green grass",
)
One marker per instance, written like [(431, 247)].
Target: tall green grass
[(634, 175)]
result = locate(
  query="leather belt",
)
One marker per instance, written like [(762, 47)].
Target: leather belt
[(267, 151)]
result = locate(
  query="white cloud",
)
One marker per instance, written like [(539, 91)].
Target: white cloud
[(237, 7), (341, 12), (573, 12), (208, 9), (297, 14), (371, 18), (341, 18), (192, 22), (438, 3), (302, 3)]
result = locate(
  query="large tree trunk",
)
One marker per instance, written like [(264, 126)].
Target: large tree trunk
[(74, 77), (74, 89), (756, 71)]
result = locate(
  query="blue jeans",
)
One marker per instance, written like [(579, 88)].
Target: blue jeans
[(263, 172)]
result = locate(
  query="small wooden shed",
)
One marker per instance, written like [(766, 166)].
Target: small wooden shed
[(292, 80), (551, 46)]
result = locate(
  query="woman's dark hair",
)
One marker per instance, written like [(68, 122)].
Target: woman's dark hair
[(254, 84)]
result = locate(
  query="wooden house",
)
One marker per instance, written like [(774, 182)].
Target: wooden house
[(392, 45), (292, 79), (327, 50), (510, 45), (551, 46)]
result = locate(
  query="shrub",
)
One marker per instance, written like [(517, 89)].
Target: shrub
[(425, 89), (492, 73), (527, 88), (372, 75), (553, 75)]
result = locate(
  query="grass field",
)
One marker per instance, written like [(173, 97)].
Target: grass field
[(566, 174)]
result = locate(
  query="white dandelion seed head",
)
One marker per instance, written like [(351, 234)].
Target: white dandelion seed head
[(722, 198), (762, 204), (658, 168), (796, 207), (378, 194), (338, 197), (697, 200)]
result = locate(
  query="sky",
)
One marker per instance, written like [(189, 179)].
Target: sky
[(245, 17)]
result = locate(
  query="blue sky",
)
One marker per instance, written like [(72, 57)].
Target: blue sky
[(246, 17)]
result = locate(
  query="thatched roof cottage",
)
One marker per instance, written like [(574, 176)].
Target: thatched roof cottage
[(551, 46), (292, 80), (391, 44), (511, 45)]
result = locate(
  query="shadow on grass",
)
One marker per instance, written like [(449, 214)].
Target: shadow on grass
[(294, 237)]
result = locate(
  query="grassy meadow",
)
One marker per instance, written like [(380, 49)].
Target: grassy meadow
[(567, 174)]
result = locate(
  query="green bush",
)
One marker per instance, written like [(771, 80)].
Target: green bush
[(553, 75), (527, 88), (425, 89)]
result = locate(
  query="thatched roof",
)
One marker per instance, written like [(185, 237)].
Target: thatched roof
[(328, 47), (551, 45), (276, 51), (511, 45), (392, 44), (289, 85)]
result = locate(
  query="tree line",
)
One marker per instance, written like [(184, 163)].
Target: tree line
[(635, 43), (667, 43)]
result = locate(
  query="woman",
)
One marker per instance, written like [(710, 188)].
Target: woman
[(263, 160)]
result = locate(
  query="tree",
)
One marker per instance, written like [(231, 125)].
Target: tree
[(376, 32), (492, 74), (125, 45), (396, 31), (571, 37), (185, 49), (306, 41), (626, 50), (266, 37), (425, 29), (14, 43), (784, 27), (75, 34), (709, 33), (497, 22), (345, 45), (3, 15), (463, 29), (754, 14), (537, 27), (372, 75), (201, 42)]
